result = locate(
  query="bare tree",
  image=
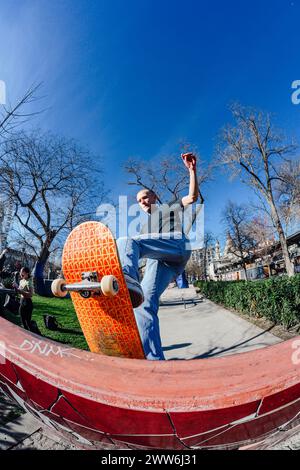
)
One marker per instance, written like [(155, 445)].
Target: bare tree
[(261, 231), (194, 269), (253, 150), (236, 219), (168, 178), (51, 184), (288, 192), (13, 115)]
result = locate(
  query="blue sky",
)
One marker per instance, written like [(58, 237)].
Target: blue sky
[(132, 78)]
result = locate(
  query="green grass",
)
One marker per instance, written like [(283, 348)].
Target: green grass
[(69, 331)]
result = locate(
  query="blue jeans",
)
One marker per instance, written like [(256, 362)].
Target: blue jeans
[(166, 259)]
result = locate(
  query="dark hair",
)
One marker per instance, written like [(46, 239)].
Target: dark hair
[(26, 270)]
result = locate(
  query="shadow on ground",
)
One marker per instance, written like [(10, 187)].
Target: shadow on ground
[(215, 351)]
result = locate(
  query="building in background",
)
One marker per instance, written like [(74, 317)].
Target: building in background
[(265, 261), (6, 217), (19, 258)]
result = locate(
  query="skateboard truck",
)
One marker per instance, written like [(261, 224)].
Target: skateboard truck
[(89, 285)]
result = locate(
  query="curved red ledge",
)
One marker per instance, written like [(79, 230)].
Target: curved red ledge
[(108, 402)]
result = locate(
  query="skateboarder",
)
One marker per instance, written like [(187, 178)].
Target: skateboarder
[(163, 243)]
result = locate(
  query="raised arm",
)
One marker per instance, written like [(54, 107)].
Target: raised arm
[(190, 160)]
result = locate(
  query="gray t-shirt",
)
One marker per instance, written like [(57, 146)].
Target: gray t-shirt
[(166, 219)]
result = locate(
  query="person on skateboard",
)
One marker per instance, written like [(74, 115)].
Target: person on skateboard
[(165, 246)]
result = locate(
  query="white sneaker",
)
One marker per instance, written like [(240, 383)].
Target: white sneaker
[(135, 291)]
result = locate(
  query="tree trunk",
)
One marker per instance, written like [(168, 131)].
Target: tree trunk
[(45, 253), (289, 265), (245, 272), (40, 287)]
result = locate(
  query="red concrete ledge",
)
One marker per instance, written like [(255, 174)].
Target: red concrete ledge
[(215, 403)]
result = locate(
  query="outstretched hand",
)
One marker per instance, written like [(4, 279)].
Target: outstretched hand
[(189, 160)]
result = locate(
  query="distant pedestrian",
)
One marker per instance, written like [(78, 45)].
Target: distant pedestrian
[(25, 289)]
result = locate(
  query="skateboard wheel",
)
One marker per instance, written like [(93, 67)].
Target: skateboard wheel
[(109, 286), (57, 288), (85, 294)]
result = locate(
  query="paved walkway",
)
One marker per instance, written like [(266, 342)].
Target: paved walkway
[(201, 329), (191, 328), (25, 432)]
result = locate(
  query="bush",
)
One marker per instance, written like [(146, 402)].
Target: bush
[(277, 299)]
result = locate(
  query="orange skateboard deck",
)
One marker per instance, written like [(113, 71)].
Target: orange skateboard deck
[(108, 323)]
